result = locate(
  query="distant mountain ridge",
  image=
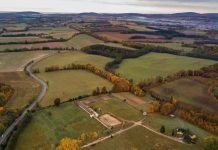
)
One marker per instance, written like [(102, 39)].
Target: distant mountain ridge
[(185, 14)]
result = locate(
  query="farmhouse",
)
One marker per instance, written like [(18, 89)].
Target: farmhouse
[(180, 132)]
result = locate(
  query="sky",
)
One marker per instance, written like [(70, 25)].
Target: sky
[(111, 6)]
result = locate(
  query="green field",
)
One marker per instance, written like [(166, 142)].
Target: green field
[(50, 125), (22, 39), (82, 40), (155, 121), (13, 26), (20, 59), (118, 108), (70, 84), (139, 28), (26, 89), (175, 46), (142, 139), (155, 64), (190, 92), (118, 45), (66, 58)]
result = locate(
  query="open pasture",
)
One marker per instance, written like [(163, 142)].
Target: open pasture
[(117, 107), (13, 26), (22, 39), (139, 27), (155, 121), (20, 60), (50, 125), (62, 59), (141, 139), (189, 91), (175, 46), (140, 103), (82, 40), (119, 37), (70, 84), (155, 64), (26, 89)]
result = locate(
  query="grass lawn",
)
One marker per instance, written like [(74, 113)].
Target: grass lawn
[(82, 40), (189, 91), (175, 46), (66, 58), (70, 84), (142, 139), (118, 108), (20, 59), (155, 64), (50, 125), (26, 89), (155, 121)]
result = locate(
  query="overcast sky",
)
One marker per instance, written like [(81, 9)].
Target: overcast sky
[(111, 6)]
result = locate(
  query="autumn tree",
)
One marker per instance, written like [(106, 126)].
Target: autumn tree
[(69, 144), (166, 108), (154, 107), (173, 100)]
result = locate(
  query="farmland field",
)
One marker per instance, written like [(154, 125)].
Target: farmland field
[(81, 41), (155, 64), (142, 139), (139, 28), (50, 125), (70, 84), (189, 91), (13, 27), (116, 36), (21, 58), (22, 39), (26, 89), (66, 58), (118, 108), (175, 46), (155, 121)]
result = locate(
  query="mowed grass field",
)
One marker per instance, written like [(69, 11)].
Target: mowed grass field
[(82, 40), (70, 84), (175, 46), (141, 139), (155, 64), (25, 89), (189, 91), (61, 59), (118, 108), (155, 121), (19, 60), (50, 125)]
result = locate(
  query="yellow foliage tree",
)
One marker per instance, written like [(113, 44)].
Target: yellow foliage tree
[(69, 144), (154, 107), (173, 101)]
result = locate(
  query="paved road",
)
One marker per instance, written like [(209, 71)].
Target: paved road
[(43, 86)]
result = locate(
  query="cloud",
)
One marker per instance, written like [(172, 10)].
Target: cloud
[(111, 6)]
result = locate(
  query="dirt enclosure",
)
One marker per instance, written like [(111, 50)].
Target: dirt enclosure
[(109, 120)]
